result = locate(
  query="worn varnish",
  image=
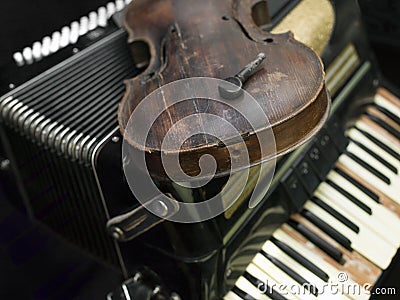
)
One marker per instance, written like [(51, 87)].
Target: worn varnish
[(182, 39)]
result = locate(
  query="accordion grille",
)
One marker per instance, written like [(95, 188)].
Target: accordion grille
[(53, 125)]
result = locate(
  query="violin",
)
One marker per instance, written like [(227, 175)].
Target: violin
[(175, 40)]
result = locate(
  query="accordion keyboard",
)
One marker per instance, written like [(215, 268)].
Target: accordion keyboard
[(347, 234)]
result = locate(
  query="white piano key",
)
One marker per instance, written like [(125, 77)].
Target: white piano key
[(119, 4), (393, 189), (37, 51), (55, 42), (383, 217), (267, 272), (247, 287), (19, 59), (65, 36), (387, 104), (27, 54), (332, 271), (274, 251), (74, 35), (46, 43), (275, 285), (372, 161), (376, 134), (282, 236), (359, 137), (111, 9), (84, 25), (102, 17), (232, 296), (367, 223), (369, 177), (92, 20), (366, 242)]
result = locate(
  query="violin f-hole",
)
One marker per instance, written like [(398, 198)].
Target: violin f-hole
[(141, 54)]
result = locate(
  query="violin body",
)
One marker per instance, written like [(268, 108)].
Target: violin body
[(216, 39)]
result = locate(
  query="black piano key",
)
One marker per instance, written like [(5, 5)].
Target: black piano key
[(358, 184), (242, 294), (376, 156), (318, 241), (301, 259), (383, 124), (388, 113), (349, 196), (379, 143), (298, 278), (329, 230), (336, 214), (368, 167), (263, 286)]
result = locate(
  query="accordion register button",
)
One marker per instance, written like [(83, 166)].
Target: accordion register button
[(27, 54), (84, 25), (65, 35), (320, 164), (19, 59), (119, 5), (37, 51), (328, 149), (46, 43), (295, 190), (110, 9), (93, 18), (336, 131), (74, 35), (102, 15), (55, 42), (307, 175)]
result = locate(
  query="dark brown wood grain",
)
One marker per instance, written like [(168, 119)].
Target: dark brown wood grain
[(217, 39)]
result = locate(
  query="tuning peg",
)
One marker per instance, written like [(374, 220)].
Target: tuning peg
[(233, 89)]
